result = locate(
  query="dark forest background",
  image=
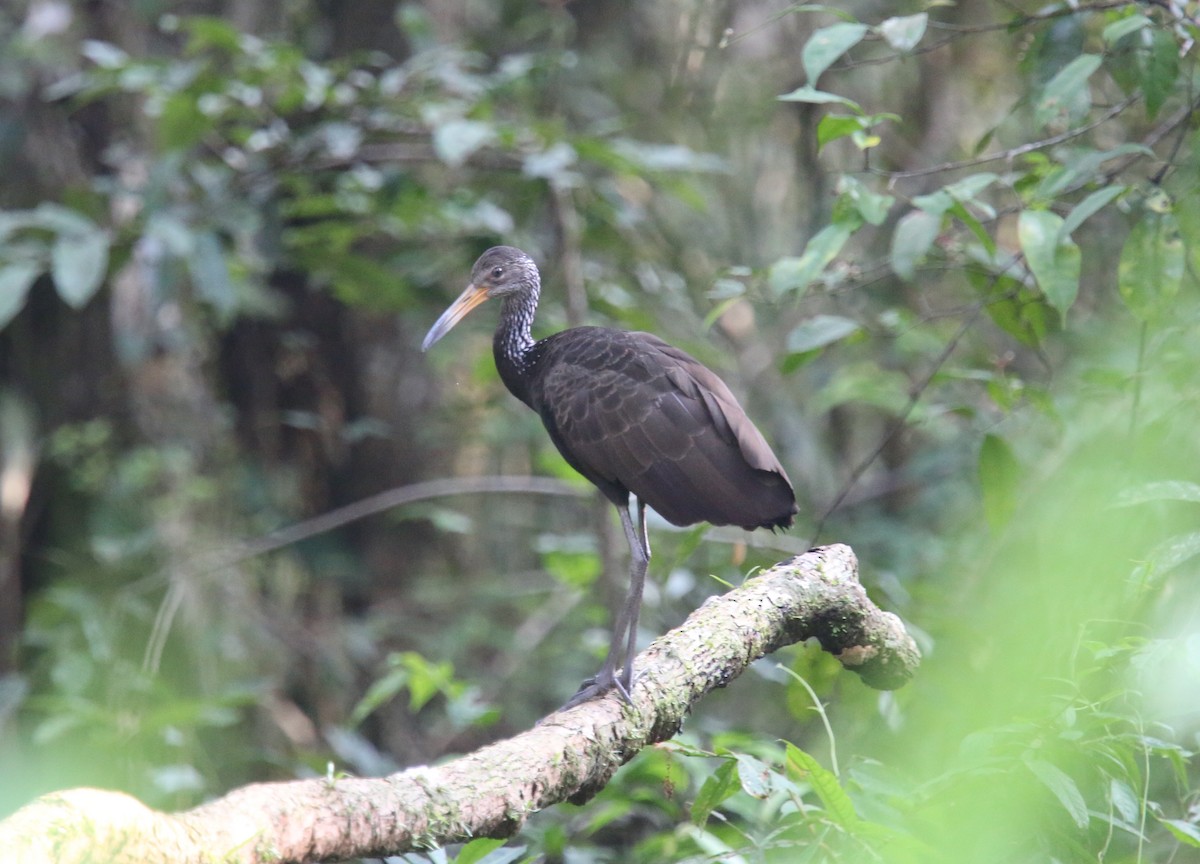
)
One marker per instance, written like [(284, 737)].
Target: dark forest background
[(946, 255)]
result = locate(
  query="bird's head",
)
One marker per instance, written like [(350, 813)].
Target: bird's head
[(501, 271)]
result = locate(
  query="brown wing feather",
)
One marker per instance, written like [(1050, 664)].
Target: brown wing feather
[(636, 415)]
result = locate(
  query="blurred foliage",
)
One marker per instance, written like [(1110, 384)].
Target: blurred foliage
[(949, 258)]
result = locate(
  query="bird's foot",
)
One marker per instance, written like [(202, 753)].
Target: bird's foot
[(597, 686), (589, 690)]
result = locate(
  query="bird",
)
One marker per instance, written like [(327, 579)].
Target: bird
[(637, 417)]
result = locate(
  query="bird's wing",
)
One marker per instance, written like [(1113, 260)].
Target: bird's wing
[(632, 413), (728, 418)]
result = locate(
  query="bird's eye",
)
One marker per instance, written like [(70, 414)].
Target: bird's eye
[(497, 272)]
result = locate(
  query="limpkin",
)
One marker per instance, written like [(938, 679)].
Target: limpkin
[(635, 416)]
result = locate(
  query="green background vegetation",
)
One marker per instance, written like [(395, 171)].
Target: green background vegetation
[(947, 256)]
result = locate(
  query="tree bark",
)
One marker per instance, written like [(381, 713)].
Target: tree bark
[(570, 755)]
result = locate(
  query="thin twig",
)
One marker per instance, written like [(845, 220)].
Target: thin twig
[(286, 536), (1014, 152), (819, 707), (1137, 385), (570, 255), (1047, 14), (915, 394)]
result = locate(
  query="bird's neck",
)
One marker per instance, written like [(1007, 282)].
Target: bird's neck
[(513, 343)]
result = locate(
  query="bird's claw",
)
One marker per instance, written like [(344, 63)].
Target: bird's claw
[(597, 686)]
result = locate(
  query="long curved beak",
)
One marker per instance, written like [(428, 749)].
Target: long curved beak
[(468, 300)]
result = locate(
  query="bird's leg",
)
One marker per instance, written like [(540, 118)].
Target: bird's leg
[(624, 628), (639, 552)]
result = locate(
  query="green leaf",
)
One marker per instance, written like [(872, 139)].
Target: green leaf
[(78, 263), (796, 274), (210, 274), (1055, 265), (56, 726), (207, 31), (1187, 213), (578, 569), (407, 669), (1063, 788), (727, 288), (934, 203), (1183, 831), (866, 383), (1167, 555), (819, 331), (1161, 490), (831, 127), (999, 473), (357, 279), (964, 190), (1071, 78), (1088, 207), (915, 233), (965, 216), (757, 778), (426, 679), (828, 44), (864, 140), (812, 96), (667, 157), (59, 219), (15, 281), (477, 850), (455, 140), (1151, 268), (104, 54), (1125, 802), (713, 315), (1159, 68), (871, 206), (802, 766), (181, 124), (1067, 91), (715, 790), (1080, 166), (1118, 29), (381, 691), (903, 33), (1019, 311), (555, 162)]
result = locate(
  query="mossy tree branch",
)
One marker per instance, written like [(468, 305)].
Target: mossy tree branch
[(491, 792)]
